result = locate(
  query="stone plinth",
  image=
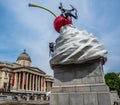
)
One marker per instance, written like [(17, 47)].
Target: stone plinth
[(76, 74), (80, 84)]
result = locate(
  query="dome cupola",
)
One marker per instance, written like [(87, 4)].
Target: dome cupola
[(24, 59)]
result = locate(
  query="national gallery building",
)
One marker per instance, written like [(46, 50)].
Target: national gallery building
[(20, 77)]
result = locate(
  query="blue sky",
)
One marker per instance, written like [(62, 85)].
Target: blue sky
[(22, 27)]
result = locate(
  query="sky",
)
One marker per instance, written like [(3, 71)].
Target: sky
[(23, 27)]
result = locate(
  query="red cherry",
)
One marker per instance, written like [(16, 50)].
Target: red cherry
[(61, 21)]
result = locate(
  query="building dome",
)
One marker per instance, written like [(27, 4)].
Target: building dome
[(24, 56), (24, 59)]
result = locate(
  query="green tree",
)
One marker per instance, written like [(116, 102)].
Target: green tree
[(113, 81)]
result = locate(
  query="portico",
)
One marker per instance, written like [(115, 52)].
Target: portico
[(25, 81)]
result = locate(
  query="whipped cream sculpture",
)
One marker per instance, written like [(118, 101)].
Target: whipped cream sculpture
[(73, 46)]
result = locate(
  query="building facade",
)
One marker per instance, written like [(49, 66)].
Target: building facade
[(21, 77)]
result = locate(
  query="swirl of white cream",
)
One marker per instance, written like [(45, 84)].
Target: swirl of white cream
[(74, 46)]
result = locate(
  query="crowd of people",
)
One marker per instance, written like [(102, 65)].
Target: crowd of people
[(29, 97)]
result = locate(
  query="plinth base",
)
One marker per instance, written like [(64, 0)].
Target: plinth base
[(88, 98), (80, 84)]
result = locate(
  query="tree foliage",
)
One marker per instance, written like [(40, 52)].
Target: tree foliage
[(113, 81)]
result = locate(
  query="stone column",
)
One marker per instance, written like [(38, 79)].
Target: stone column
[(19, 80), (33, 82), (15, 81), (1, 79), (36, 84), (44, 85), (23, 79), (40, 83), (30, 84), (26, 82)]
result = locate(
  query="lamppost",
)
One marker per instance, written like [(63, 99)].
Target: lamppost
[(10, 75)]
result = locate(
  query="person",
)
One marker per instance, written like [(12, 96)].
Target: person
[(115, 103), (15, 98), (65, 13)]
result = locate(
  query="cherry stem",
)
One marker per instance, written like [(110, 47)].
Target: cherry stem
[(34, 5)]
